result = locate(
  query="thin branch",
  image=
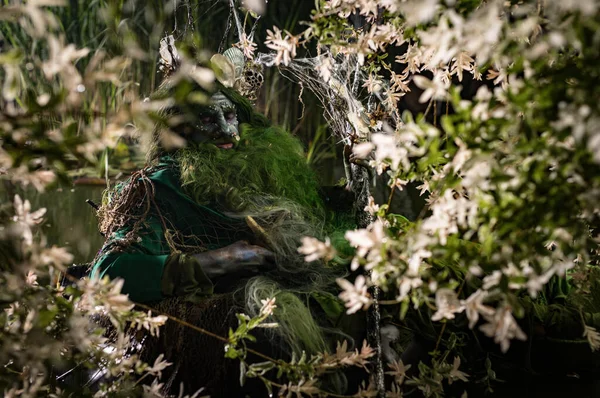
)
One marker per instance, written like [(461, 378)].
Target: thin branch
[(207, 332)]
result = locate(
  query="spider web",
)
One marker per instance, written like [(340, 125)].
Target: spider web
[(336, 81), (344, 100)]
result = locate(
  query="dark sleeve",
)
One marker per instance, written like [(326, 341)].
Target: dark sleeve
[(183, 276), (149, 274), (142, 273)]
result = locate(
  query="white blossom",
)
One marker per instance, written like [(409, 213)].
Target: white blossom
[(257, 6), (424, 187), (398, 370), (154, 389), (502, 327), (39, 179), (439, 44), (412, 59), (418, 11), (373, 83), (372, 207), (31, 278), (151, 323), (561, 267), (535, 283), (492, 280), (314, 249), (584, 7), (268, 306), (474, 306), (367, 241), (285, 46), (592, 336), (499, 77), (247, 46), (456, 374), (476, 176), (435, 89), (550, 245), (80, 326), (447, 304), (406, 284), (400, 82), (103, 296), (363, 150), (25, 218), (324, 68), (482, 31), (461, 63), (388, 153), (56, 256), (158, 366), (415, 260), (448, 214), (62, 62), (398, 183), (461, 157), (368, 8), (355, 296)]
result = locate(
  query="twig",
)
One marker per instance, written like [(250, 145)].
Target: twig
[(238, 23), (428, 107), (320, 392), (250, 350), (389, 202), (439, 339), (206, 332)]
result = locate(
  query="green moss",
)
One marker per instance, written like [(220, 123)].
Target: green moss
[(267, 160)]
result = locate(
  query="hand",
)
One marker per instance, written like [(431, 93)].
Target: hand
[(351, 158), (238, 258)]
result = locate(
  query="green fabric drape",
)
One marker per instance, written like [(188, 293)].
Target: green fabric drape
[(152, 270)]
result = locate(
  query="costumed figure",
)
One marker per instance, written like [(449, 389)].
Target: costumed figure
[(212, 229)]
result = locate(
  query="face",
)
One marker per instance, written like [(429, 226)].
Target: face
[(216, 123)]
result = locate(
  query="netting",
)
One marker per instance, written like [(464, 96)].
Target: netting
[(339, 85), (353, 105)]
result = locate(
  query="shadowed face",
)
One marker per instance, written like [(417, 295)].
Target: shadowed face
[(216, 123)]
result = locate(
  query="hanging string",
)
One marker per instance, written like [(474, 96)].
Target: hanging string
[(174, 18), (238, 23), (253, 30), (226, 35), (190, 20)]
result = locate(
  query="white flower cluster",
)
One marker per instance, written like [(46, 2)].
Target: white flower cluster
[(25, 219), (355, 296), (30, 338), (314, 249), (284, 45), (468, 179), (44, 322)]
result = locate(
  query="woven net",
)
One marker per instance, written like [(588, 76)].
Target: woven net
[(351, 111)]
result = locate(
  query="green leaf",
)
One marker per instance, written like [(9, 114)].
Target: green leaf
[(404, 309), (46, 317), (12, 57), (242, 373)]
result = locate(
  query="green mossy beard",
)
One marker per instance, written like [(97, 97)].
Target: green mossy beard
[(266, 161), (266, 177)]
